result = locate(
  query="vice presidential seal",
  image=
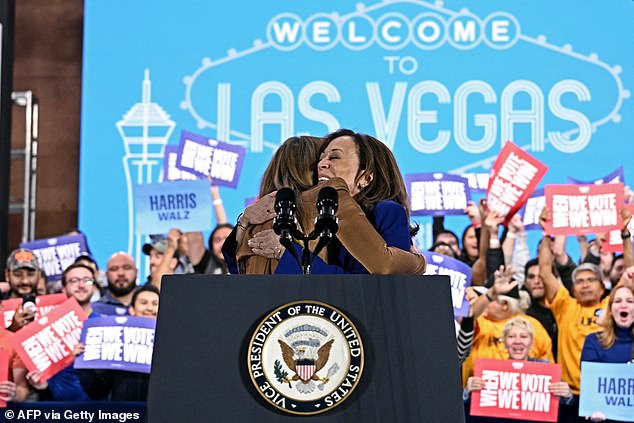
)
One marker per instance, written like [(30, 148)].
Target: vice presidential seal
[(305, 357)]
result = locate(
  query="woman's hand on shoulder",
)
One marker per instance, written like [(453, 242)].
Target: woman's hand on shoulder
[(259, 212)]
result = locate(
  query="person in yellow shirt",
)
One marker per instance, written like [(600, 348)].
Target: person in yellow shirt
[(576, 317), (502, 307)]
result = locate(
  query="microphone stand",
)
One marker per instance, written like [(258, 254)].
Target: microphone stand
[(307, 257), (306, 263)]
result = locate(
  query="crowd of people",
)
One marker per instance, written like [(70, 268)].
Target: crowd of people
[(545, 308)]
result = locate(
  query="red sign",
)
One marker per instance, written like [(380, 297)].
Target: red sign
[(47, 344), (4, 370), (44, 304), (614, 243), (583, 209), (514, 176), (516, 390)]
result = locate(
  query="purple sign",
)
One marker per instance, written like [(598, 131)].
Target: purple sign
[(478, 182), (109, 309), (56, 254), (206, 157), (170, 171), (117, 343), (532, 209), (613, 178), (459, 277), (437, 194)]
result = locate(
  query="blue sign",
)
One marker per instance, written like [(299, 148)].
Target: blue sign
[(109, 309), (443, 84), (531, 211), (459, 276), (170, 171), (54, 255), (207, 157), (613, 178), (437, 194), (117, 343), (185, 205), (478, 182), (608, 388)]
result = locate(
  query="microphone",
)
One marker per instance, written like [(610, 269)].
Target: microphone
[(285, 223), (326, 223)]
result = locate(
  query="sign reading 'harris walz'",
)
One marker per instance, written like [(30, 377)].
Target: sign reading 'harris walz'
[(185, 205), (305, 357)]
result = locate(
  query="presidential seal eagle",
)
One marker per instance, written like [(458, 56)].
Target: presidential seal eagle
[(306, 365)]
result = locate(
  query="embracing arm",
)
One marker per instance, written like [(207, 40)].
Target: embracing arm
[(384, 249), (382, 252)]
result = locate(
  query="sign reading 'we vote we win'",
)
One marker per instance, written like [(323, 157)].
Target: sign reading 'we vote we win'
[(583, 209), (117, 343), (47, 344), (437, 194), (516, 389), (459, 278)]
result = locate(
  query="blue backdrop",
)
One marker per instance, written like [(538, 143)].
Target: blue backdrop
[(442, 83)]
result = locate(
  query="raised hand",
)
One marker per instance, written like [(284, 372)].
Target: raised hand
[(502, 281), (515, 224), (472, 213), (544, 217)]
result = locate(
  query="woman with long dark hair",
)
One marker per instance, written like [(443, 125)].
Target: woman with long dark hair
[(615, 342)]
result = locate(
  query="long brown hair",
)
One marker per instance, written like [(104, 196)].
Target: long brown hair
[(607, 336), (294, 166), (377, 160)]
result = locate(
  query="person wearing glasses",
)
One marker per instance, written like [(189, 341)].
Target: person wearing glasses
[(576, 315), (78, 281)]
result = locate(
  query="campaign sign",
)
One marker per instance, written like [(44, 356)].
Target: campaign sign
[(117, 343), (516, 390), (43, 303), (478, 182), (459, 276), (437, 194), (608, 388), (4, 370), (206, 157), (109, 309), (514, 176), (614, 242), (532, 209), (613, 178), (583, 209), (46, 345), (185, 205), (56, 254), (170, 171)]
